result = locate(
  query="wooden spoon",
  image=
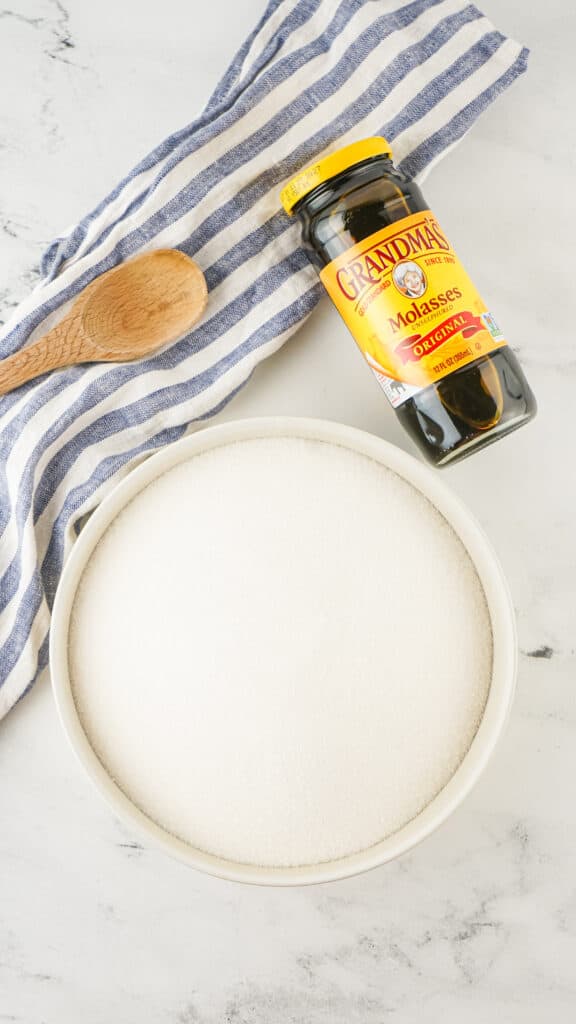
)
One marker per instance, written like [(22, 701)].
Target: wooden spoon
[(124, 314)]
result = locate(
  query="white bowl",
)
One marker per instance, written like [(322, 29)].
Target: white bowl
[(489, 572)]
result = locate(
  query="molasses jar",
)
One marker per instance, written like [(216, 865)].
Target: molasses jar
[(430, 340)]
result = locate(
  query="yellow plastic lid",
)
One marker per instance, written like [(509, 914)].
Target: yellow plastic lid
[(329, 167)]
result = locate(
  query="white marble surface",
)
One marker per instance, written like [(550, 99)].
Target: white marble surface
[(479, 922)]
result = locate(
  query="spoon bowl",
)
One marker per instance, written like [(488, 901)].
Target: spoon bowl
[(143, 304)]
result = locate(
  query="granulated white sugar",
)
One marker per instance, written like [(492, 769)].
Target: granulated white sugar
[(280, 651)]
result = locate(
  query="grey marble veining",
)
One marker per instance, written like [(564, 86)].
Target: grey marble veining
[(479, 922)]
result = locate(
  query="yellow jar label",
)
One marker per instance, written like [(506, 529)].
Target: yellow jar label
[(410, 305)]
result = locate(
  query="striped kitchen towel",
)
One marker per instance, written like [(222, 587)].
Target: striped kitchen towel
[(313, 75)]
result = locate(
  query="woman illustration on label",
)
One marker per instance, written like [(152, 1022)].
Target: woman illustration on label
[(409, 279)]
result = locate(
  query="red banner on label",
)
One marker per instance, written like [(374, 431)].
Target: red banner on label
[(414, 348)]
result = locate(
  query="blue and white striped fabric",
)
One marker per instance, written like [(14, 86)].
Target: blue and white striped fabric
[(314, 75)]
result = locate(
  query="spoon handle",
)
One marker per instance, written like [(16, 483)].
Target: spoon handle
[(62, 346)]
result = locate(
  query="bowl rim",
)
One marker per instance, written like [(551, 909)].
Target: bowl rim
[(465, 526)]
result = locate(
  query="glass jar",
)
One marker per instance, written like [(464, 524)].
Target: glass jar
[(433, 345)]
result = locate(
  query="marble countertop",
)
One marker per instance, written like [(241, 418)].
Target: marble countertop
[(479, 922)]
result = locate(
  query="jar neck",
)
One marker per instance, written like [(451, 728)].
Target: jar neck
[(328, 192)]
